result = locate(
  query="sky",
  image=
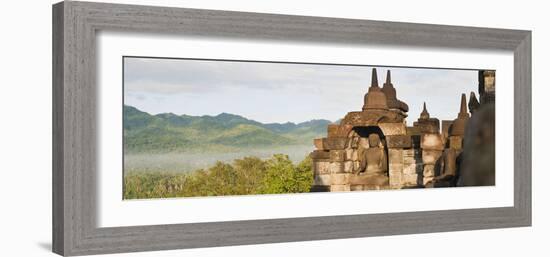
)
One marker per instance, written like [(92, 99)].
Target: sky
[(282, 92)]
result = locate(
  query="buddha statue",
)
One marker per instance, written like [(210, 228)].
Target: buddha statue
[(473, 103), (447, 169), (372, 157)]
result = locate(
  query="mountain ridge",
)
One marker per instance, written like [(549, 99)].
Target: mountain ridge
[(169, 132)]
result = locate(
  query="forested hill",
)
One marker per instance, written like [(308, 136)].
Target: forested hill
[(168, 132)]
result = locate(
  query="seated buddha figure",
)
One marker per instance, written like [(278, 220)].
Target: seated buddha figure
[(371, 156)]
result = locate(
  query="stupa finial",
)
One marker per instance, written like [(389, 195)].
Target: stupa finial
[(374, 79), (388, 78), (424, 114), (463, 107)]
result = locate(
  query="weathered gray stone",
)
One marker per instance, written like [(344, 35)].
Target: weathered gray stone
[(477, 166), (446, 170), (473, 103), (399, 141), (392, 129)]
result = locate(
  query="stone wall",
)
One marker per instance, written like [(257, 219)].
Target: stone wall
[(336, 158), (405, 157)]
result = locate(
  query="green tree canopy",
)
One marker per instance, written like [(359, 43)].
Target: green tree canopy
[(246, 176)]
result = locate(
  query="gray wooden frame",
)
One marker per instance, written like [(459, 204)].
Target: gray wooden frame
[(74, 128)]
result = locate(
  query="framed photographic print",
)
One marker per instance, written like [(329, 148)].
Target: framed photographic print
[(183, 128)]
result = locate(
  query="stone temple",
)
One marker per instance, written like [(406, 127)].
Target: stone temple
[(374, 148)]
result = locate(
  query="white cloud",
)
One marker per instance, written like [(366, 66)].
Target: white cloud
[(275, 92)]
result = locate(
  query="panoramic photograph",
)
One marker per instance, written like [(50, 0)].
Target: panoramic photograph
[(207, 128)]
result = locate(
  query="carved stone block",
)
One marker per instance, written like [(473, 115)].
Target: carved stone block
[(356, 165), (413, 131), (432, 142), (321, 167), (376, 187), (318, 142), (335, 143), (356, 187), (429, 157), (366, 179), (348, 166), (340, 188), (320, 155), (455, 142), (322, 180), (340, 179), (430, 125), (332, 130), (399, 141), (412, 156), (429, 173), (395, 169), (410, 180), (412, 168), (415, 139), (391, 129), (337, 155), (337, 130), (395, 156), (396, 179), (336, 167), (351, 155), (446, 128)]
